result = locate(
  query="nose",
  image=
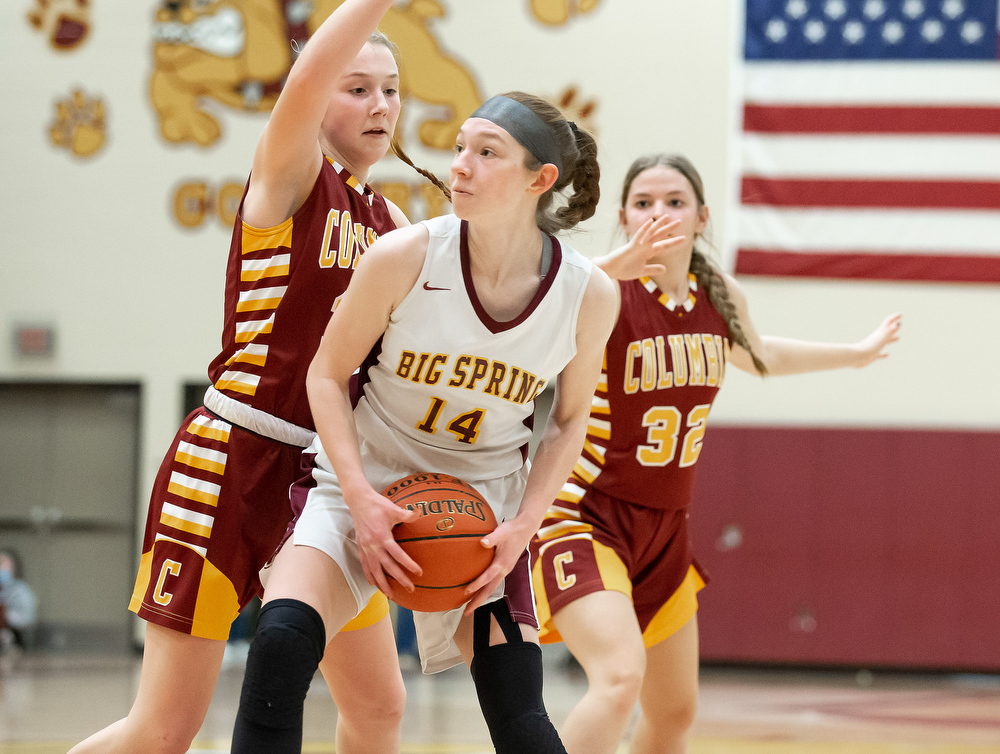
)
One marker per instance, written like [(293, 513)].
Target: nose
[(381, 104), (659, 210), (460, 164)]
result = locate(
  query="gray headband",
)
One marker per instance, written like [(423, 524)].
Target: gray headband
[(521, 122)]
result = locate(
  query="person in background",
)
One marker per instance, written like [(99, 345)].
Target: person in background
[(18, 604), (614, 574)]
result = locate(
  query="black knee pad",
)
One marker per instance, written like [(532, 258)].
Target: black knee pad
[(284, 656), (508, 681)]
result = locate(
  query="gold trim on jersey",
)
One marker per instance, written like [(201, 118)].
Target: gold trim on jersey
[(263, 239), (252, 353), (199, 524), (190, 488), (252, 270), (247, 331), (210, 429), (259, 299), (197, 457), (239, 382), (351, 181), (668, 302)]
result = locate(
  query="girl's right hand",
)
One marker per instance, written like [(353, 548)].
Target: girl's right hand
[(632, 260), (381, 556)]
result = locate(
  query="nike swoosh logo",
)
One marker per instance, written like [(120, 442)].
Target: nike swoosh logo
[(429, 287)]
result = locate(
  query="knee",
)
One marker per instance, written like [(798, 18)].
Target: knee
[(378, 711), (618, 681), (284, 655), (672, 717)]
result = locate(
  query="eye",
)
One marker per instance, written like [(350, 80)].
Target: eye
[(458, 148), (390, 92), (641, 204), (676, 203), (487, 152), (357, 90)]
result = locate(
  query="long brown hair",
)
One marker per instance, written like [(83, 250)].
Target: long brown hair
[(580, 169), (708, 277)]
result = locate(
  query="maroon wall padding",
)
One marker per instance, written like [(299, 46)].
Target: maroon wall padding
[(849, 547)]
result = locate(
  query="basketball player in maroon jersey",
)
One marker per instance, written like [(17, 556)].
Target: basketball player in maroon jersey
[(219, 505), (614, 574)]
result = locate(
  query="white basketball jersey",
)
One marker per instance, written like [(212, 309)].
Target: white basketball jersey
[(453, 390)]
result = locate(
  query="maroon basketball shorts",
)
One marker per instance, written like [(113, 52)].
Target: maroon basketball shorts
[(645, 553), (218, 509)]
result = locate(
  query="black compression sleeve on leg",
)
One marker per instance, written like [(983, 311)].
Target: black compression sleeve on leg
[(284, 655), (508, 681)]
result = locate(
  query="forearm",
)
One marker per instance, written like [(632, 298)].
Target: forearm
[(785, 356), (330, 403), (554, 459)]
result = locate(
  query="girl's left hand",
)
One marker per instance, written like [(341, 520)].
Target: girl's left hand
[(511, 543), (873, 347)]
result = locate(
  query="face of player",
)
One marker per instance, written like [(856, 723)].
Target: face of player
[(660, 191), (363, 110), (488, 172)]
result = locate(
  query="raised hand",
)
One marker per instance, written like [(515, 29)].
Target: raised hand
[(873, 347), (632, 260)]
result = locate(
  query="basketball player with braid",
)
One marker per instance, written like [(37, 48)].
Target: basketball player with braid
[(219, 505), (470, 316), (614, 575)]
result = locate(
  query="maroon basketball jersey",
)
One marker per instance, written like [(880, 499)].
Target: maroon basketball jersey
[(663, 366), (281, 285)]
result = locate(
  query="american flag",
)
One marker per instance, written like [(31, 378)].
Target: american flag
[(871, 140)]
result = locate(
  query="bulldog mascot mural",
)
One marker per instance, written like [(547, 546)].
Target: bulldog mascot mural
[(238, 52)]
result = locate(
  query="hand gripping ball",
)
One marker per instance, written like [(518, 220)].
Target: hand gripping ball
[(444, 539)]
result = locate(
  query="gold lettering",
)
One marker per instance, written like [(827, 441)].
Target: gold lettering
[(633, 352), (666, 376), (405, 363), (496, 377), (459, 371), (479, 371), (696, 359), (679, 359), (434, 371)]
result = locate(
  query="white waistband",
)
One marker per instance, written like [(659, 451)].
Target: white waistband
[(256, 420)]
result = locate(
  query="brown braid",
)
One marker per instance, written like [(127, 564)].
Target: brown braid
[(580, 169), (715, 287), (398, 151), (708, 277)]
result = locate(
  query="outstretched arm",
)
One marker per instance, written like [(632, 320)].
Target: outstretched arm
[(789, 356), (288, 155), (562, 438)]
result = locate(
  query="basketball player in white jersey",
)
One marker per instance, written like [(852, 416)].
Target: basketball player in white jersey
[(469, 316)]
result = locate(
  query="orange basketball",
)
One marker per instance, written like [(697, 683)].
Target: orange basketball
[(444, 539)]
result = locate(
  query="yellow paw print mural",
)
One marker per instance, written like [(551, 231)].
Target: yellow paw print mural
[(559, 12), (65, 22), (238, 52), (79, 125)]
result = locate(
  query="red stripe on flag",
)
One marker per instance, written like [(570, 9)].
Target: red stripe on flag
[(798, 192), (869, 266), (829, 119)]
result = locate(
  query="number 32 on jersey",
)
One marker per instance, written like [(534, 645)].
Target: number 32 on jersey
[(664, 426)]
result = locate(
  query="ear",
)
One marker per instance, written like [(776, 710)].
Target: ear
[(702, 220), (621, 220), (546, 179)]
